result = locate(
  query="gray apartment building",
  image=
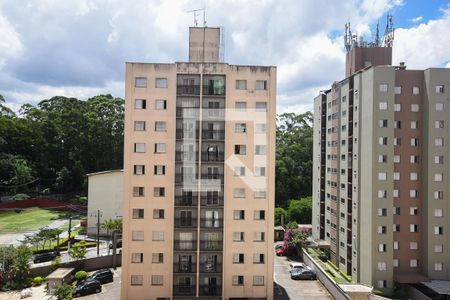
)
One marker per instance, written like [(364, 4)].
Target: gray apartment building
[(381, 196)]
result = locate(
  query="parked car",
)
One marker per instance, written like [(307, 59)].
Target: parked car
[(118, 244), (102, 276), (278, 246), (297, 265), (43, 257), (88, 287), (301, 273), (284, 251)]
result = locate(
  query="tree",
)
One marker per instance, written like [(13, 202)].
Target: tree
[(78, 251), (15, 263), (300, 210), (279, 211), (293, 157), (63, 292)]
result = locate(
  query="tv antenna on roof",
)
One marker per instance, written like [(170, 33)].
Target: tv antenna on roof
[(196, 12)]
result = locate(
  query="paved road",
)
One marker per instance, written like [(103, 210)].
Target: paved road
[(110, 291), (287, 289)]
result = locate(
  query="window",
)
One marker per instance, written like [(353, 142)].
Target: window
[(396, 245), (138, 213), (137, 235), (382, 194), (381, 284), (138, 191), (260, 171), (396, 175), (414, 159), (157, 279), (160, 104), (381, 229), (438, 266), (157, 258), (415, 90), (413, 193), (259, 214), (438, 248), (261, 85), (396, 159), (438, 212), (261, 106), (160, 126), (414, 107), (139, 147), (438, 230), (260, 149), (239, 193), (414, 142), (439, 106), (413, 176), (382, 212), (161, 83), (395, 263), (238, 280), (140, 82), (397, 124), (395, 193), (160, 148), (139, 125), (260, 128), (440, 89), (240, 127), (383, 87), (439, 124), (137, 258), (240, 149), (439, 142), (413, 263), (240, 106), (414, 124), (258, 280), (258, 258), (398, 90), (259, 237), (140, 103), (413, 211), (383, 123), (239, 171), (158, 214), (396, 210), (239, 214), (381, 247), (382, 140), (139, 169), (381, 176), (413, 246), (137, 279), (397, 141), (159, 170), (381, 266), (238, 236), (157, 235), (382, 158), (438, 177), (238, 258), (159, 192), (383, 105), (241, 84), (396, 228), (397, 107), (413, 227), (260, 194), (438, 195)]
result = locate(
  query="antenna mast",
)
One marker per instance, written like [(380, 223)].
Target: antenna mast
[(195, 12), (388, 38)]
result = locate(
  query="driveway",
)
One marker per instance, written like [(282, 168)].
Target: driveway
[(110, 291), (287, 289)]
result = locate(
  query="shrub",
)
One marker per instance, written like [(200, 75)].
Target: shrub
[(38, 280), (80, 275), (55, 263), (63, 292)]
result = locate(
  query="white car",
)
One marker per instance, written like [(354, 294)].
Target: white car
[(299, 265)]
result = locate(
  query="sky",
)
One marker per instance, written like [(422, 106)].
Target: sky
[(79, 48)]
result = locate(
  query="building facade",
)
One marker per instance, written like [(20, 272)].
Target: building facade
[(380, 179), (199, 177)]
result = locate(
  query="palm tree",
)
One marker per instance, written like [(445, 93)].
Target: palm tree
[(109, 224)]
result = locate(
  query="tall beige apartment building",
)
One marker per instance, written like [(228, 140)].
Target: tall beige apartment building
[(381, 170), (199, 175)]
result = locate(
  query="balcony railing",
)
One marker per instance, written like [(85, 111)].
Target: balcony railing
[(185, 245), (213, 134), (213, 113), (211, 223), (216, 176), (211, 268), (185, 222), (210, 290), (184, 290), (186, 200), (213, 156), (187, 134), (211, 245), (188, 90), (188, 112), (186, 178), (186, 156), (214, 90), (211, 201), (184, 267)]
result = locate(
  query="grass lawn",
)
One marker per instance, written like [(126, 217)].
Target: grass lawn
[(31, 218)]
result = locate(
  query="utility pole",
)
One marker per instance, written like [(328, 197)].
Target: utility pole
[(69, 232), (98, 232)]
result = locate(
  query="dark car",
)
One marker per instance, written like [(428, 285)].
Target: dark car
[(88, 287), (118, 244), (301, 273), (42, 257), (102, 276)]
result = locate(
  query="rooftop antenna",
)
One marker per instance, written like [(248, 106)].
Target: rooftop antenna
[(377, 35), (195, 12), (388, 37)]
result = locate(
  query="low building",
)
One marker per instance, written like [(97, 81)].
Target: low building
[(58, 277), (105, 195)]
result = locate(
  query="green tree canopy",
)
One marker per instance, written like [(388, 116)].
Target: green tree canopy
[(300, 210)]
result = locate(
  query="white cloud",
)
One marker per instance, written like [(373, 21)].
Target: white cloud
[(10, 44), (416, 19)]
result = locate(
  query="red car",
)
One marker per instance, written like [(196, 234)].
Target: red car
[(284, 251)]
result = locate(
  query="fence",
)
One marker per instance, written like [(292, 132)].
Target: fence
[(42, 203), (334, 289)]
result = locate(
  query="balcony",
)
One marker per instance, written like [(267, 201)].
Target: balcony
[(188, 112), (214, 176), (211, 223), (186, 178), (215, 135), (185, 245), (214, 90), (186, 156), (184, 290), (211, 268), (211, 201), (210, 290), (209, 156), (217, 114), (186, 200), (181, 134), (206, 245), (184, 267), (188, 90), (185, 222)]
